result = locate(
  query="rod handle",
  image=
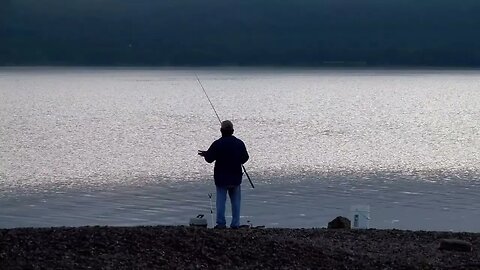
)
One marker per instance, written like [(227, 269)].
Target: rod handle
[(248, 176)]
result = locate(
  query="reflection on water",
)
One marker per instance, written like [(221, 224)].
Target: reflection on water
[(398, 202), (118, 147)]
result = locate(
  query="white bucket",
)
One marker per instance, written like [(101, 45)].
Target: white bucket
[(360, 216)]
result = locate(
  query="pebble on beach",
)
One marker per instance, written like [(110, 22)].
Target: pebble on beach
[(455, 244)]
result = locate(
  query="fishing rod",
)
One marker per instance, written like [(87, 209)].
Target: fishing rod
[(218, 117), (211, 207)]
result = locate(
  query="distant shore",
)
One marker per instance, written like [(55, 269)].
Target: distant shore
[(179, 247)]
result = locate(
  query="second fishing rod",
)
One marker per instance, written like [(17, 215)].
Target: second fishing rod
[(219, 120)]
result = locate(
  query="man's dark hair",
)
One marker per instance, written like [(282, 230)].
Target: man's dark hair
[(226, 127)]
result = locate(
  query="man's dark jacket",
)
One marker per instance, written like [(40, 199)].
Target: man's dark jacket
[(229, 153)]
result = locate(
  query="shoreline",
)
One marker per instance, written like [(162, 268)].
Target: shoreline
[(181, 247)]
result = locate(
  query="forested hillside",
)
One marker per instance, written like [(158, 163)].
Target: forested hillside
[(240, 32)]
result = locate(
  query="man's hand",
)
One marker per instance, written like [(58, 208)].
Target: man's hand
[(202, 153)]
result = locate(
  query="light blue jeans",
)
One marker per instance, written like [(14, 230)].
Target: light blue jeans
[(235, 195)]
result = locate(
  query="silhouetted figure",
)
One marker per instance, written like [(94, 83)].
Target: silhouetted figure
[(229, 153)]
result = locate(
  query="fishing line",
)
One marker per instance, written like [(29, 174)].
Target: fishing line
[(211, 104), (218, 117)]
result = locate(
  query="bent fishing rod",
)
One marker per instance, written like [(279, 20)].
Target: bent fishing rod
[(218, 117)]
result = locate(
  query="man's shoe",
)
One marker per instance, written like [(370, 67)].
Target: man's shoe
[(234, 227), (220, 227)]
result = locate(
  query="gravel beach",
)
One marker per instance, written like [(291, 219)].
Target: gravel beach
[(178, 247)]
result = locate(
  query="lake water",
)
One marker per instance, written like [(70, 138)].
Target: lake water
[(82, 146)]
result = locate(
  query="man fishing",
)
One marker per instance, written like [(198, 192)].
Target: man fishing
[(229, 153)]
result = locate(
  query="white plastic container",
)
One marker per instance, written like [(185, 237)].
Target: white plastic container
[(198, 221), (360, 216)]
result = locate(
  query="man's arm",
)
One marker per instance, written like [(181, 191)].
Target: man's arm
[(245, 156), (210, 154)]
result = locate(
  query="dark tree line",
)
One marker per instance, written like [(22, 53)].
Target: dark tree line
[(246, 32)]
